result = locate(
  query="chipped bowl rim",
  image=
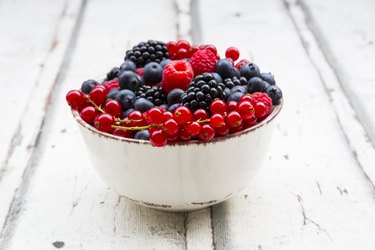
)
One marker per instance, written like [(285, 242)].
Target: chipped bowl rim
[(276, 110)]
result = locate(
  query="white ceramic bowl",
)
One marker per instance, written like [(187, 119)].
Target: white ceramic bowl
[(180, 176)]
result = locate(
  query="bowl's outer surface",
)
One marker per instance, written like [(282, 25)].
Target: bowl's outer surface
[(179, 177)]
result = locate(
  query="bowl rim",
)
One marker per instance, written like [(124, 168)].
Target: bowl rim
[(276, 110)]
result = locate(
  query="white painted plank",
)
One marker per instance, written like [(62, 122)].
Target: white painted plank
[(27, 33), (346, 32), (311, 192), (28, 43), (78, 210)]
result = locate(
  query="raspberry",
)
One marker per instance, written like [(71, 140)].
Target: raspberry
[(203, 61), (258, 97), (177, 74)]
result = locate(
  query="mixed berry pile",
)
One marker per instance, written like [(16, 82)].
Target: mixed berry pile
[(171, 92)]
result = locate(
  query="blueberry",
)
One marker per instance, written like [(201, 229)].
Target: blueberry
[(236, 72), (239, 88), (217, 77), (174, 96), (112, 94), (129, 80), (127, 65), (256, 84), (227, 92), (274, 93), (165, 62), (224, 68), (126, 98), (152, 72), (268, 77), (127, 112), (173, 107), (249, 70), (236, 96), (164, 106), (142, 104), (88, 85), (142, 135)]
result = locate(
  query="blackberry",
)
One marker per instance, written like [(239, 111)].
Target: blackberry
[(154, 94), (145, 52), (234, 81), (202, 91), (113, 73)]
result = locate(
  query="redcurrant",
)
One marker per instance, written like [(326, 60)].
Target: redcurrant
[(97, 95), (200, 114), (123, 133), (88, 114), (171, 127), (112, 107), (185, 135), (245, 109), (182, 44), (104, 122), (158, 138), (260, 110), (167, 115), (193, 129), (222, 131), (207, 133), (218, 107), (232, 52), (233, 119), (217, 120), (231, 106), (75, 98), (155, 115), (182, 115)]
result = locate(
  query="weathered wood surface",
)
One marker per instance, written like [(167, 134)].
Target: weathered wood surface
[(345, 31), (312, 192), (35, 37), (315, 191)]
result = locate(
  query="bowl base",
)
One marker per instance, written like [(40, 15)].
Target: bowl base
[(181, 208)]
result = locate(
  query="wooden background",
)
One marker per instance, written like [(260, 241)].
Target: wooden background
[(315, 191)]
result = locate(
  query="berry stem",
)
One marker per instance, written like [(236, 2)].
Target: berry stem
[(136, 127), (203, 121), (95, 105), (126, 120), (132, 128)]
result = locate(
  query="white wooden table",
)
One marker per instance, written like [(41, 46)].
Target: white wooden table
[(317, 187)]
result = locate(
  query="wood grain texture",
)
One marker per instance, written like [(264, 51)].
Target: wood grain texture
[(345, 31), (311, 192), (33, 49), (64, 202)]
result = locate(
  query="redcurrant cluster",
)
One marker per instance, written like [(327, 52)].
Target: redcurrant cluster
[(177, 92)]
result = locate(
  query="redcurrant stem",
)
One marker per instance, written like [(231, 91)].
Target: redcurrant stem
[(135, 128), (131, 128), (203, 121), (126, 120), (95, 105)]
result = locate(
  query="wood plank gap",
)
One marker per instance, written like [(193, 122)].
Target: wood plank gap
[(196, 28), (353, 130), (29, 163), (212, 228), (323, 43)]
